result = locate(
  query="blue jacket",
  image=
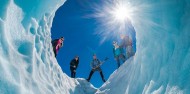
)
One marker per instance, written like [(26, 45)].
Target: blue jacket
[(95, 63), (117, 51)]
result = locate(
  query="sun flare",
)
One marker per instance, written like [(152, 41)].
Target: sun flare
[(114, 17), (120, 13)]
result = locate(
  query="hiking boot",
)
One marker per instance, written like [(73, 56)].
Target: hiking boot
[(104, 80), (87, 80)]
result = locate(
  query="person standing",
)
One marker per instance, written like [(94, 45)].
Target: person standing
[(128, 39), (57, 44), (127, 45), (95, 65), (118, 53), (73, 66)]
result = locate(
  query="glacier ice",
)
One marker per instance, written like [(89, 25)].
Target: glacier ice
[(27, 63), (160, 65)]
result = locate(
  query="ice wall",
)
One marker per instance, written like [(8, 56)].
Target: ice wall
[(27, 63), (162, 61)]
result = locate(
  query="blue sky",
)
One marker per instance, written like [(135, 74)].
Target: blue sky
[(80, 39)]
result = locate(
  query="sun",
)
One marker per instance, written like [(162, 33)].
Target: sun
[(113, 17), (120, 13)]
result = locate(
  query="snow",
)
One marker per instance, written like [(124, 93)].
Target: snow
[(160, 65)]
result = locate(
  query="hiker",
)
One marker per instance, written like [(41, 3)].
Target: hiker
[(118, 53), (130, 30), (73, 66), (57, 44), (126, 44), (95, 65)]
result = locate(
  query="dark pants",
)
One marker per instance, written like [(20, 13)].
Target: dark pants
[(73, 72), (54, 50), (97, 69), (119, 58)]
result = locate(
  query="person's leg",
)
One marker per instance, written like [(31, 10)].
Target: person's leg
[(91, 72), (71, 74), (74, 73), (127, 53), (133, 51), (122, 57), (54, 50), (118, 61), (55, 55), (130, 51), (71, 69), (101, 74)]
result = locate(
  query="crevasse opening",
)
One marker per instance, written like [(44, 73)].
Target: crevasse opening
[(82, 38)]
